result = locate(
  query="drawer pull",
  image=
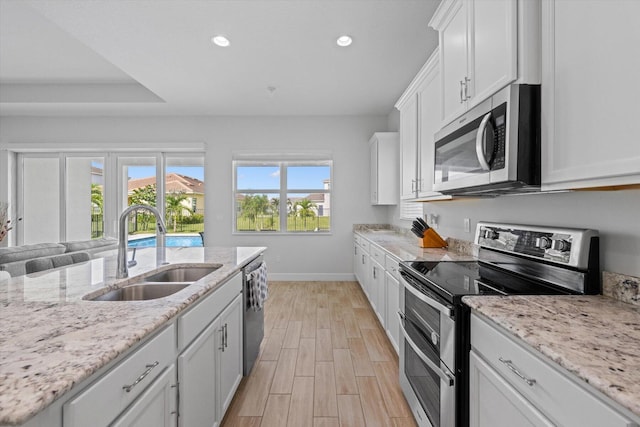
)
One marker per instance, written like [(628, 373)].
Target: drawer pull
[(529, 381), (130, 387)]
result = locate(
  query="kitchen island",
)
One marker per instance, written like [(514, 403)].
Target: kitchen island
[(53, 339)]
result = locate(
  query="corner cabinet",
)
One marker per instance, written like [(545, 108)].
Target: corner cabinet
[(589, 94), (483, 43), (511, 385), (419, 108), (383, 151)]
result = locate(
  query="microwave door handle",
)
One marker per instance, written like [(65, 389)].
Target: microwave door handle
[(447, 377), (482, 129)]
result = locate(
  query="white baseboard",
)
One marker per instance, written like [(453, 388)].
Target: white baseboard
[(311, 277)]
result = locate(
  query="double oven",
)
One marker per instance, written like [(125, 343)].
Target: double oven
[(435, 326)]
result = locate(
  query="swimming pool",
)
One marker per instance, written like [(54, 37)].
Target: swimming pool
[(171, 241)]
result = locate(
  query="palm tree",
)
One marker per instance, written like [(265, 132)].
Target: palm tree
[(97, 201), (305, 210), (175, 207), (143, 196)]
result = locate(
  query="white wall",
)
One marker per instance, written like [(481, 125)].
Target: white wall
[(291, 257), (615, 214)]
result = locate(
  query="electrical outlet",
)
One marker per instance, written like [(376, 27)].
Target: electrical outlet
[(467, 225)]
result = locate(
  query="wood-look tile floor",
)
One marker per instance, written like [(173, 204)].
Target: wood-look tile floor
[(325, 361)]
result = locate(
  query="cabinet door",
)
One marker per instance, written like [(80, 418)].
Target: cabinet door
[(373, 161), (408, 148), (376, 291), (365, 273), (429, 119), (230, 354), (356, 261), (493, 44), (197, 379), (494, 403), (453, 59), (590, 94), (156, 406), (392, 300)]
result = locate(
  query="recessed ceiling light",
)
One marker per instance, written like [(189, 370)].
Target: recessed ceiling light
[(221, 41), (344, 41)]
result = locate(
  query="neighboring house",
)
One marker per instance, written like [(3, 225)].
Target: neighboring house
[(322, 201), (175, 183), (97, 175)]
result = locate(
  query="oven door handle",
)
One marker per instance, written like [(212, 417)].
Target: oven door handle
[(445, 376), (422, 297)]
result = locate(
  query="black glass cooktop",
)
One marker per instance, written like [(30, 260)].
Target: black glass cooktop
[(451, 280)]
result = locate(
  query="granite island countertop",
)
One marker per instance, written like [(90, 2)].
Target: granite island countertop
[(51, 338), (594, 337), (406, 247)]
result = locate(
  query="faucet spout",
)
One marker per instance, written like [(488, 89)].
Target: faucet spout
[(122, 268)]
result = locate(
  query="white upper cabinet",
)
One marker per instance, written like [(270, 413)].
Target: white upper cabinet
[(479, 49), (383, 149), (590, 93), (419, 108), (409, 147)]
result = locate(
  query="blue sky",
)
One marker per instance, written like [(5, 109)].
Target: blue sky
[(147, 171), (268, 177)]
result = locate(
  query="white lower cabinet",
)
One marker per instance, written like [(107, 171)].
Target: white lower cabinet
[(376, 290), (495, 403), (197, 374), (156, 407), (210, 369), (378, 275), (512, 385), (123, 385), (230, 357), (392, 300), (189, 381)]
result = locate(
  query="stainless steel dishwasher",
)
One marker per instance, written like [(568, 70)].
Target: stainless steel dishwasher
[(253, 321)]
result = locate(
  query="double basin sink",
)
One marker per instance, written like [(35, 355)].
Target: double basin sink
[(158, 285)]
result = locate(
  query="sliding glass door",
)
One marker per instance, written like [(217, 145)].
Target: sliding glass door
[(76, 196)]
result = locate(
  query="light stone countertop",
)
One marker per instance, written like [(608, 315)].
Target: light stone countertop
[(51, 339), (594, 337), (406, 246)]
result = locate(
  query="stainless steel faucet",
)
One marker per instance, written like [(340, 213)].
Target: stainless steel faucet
[(123, 270)]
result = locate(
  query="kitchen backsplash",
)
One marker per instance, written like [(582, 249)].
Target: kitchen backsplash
[(621, 287)]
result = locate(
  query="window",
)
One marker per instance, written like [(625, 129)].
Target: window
[(75, 196), (282, 196)]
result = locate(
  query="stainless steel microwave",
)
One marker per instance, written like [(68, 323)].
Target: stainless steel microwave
[(494, 148)]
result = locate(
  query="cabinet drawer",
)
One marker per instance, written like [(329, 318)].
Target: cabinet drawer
[(377, 254), (392, 265), (103, 401), (556, 395), (357, 239), (191, 323), (364, 244)]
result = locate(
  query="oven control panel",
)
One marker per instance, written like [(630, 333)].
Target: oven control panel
[(565, 246)]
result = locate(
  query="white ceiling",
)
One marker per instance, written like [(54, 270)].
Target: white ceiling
[(155, 57)]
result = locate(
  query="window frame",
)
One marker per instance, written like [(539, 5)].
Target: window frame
[(283, 163)]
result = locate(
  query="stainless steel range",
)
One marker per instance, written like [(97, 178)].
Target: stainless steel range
[(513, 259)]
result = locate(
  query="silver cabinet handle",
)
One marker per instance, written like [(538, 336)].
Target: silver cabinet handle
[(480, 142), (363, 258), (221, 338), (226, 340), (374, 271), (509, 363), (130, 387), (467, 80), (461, 84)]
